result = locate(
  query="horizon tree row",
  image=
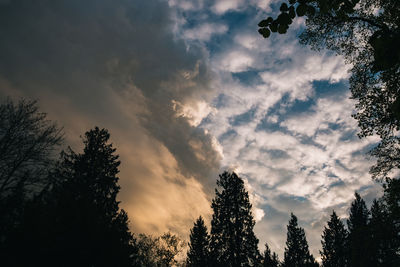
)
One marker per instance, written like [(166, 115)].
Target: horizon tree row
[(61, 209), (370, 240)]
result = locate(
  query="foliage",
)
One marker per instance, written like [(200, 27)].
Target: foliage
[(92, 176), (270, 259), (27, 145), (383, 236), (359, 233), (297, 253), (233, 242), (78, 221), (391, 200), (198, 254), (367, 34), (334, 243), (158, 251)]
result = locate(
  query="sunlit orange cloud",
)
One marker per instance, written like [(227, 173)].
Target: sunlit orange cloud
[(127, 83), (154, 192)]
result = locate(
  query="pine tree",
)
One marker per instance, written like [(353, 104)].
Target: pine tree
[(334, 243), (359, 236), (383, 234), (198, 254), (233, 242), (297, 253), (270, 259), (79, 222), (391, 198)]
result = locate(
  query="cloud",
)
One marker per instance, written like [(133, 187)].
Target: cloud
[(223, 6), (284, 129), (118, 65), (186, 5), (205, 31), (182, 105)]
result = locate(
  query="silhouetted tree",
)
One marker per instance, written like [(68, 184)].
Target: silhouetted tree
[(383, 236), (270, 259), (233, 242), (158, 251), (27, 145), (198, 254), (28, 142), (391, 198), (359, 236), (297, 253), (334, 243), (369, 40), (79, 223)]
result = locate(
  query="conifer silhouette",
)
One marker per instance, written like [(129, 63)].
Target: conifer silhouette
[(233, 242), (270, 259), (198, 254), (334, 243), (297, 253), (359, 236)]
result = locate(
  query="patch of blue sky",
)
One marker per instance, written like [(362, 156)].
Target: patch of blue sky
[(364, 188), (348, 135), (325, 88), (338, 183), (248, 78), (298, 198), (243, 118), (227, 135), (220, 101)]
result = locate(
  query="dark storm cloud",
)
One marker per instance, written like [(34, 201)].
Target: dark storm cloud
[(118, 64), (82, 49)]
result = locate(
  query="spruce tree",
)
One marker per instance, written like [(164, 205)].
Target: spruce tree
[(270, 259), (334, 243), (297, 253), (198, 254), (383, 236), (79, 222), (233, 242), (359, 236), (391, 198)]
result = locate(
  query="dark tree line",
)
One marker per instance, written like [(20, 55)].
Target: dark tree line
[(63, 211), (371, 238), (367, 34)]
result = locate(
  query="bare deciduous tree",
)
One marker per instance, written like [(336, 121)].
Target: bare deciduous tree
[(28, 144)]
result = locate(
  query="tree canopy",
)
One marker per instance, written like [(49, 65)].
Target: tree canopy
[(233, 242), (270, 259), (28, 146), (297, 253), (198, 254), (359, 233), (334, 243)]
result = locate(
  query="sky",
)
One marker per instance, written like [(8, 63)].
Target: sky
[(188, 89)]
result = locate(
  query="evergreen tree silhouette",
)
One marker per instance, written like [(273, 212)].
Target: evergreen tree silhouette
[(270, 259), (233, 242), (383, 234), (198, 254), (391, 198), (297, 253), (334, 243), (79, 222), (359, 237)]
